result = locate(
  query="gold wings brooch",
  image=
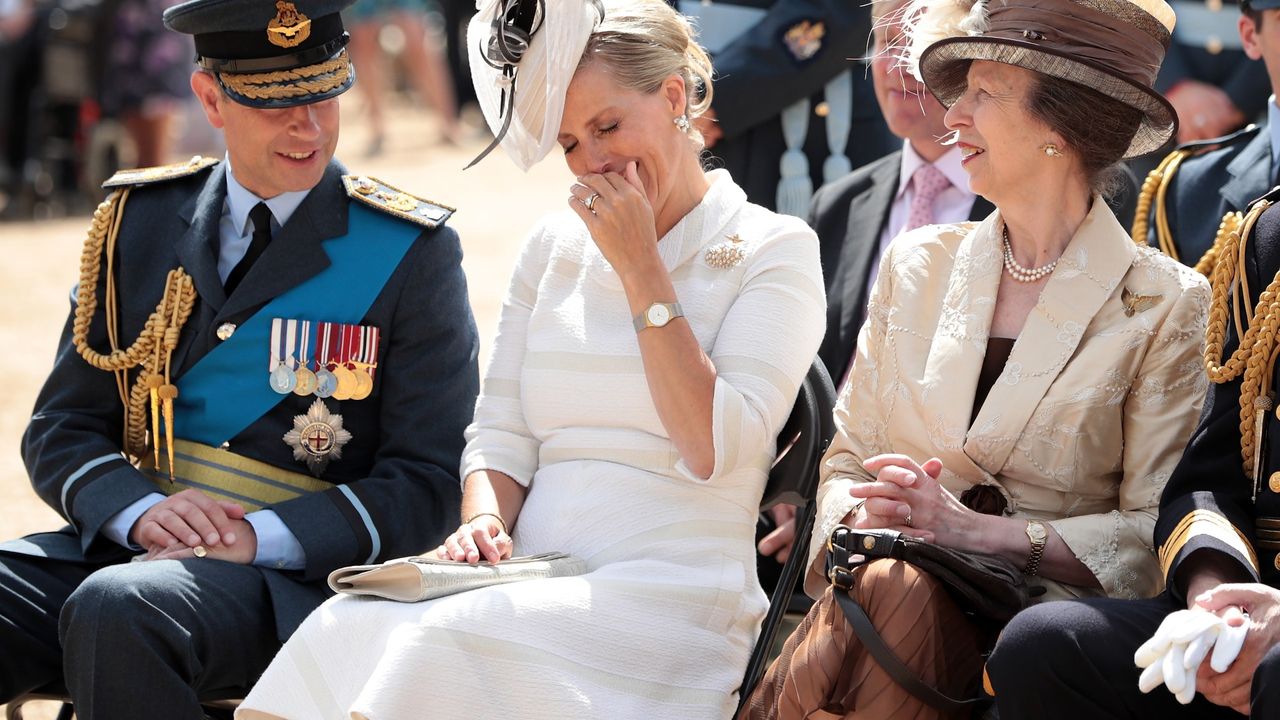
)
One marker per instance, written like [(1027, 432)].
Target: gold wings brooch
[(1134, 303)]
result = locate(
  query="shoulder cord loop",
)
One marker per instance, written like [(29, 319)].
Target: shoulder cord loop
[(151, 353)]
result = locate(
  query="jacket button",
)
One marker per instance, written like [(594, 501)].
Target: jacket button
[(225, 331), (1274, 483), (1277, 562)]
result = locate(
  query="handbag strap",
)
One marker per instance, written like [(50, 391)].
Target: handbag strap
[(889, 662)]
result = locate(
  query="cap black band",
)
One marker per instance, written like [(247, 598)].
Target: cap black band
[(311, 56)]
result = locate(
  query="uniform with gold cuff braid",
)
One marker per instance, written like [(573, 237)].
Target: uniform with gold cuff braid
[(1222, 503), (326, 393)]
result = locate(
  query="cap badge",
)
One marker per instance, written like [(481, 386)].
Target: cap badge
[(804, 39), (289, 28)]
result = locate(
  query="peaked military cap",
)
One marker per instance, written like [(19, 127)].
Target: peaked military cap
[(269, 55)]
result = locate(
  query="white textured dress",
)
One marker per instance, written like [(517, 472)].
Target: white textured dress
[(662, 624)]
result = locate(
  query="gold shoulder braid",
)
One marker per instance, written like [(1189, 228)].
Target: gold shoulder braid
[(1256, 356), (151, 353), (1154, 188)]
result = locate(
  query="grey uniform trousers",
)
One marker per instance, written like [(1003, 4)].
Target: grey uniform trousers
[(134, 640)]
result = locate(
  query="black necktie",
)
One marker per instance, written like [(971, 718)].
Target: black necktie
[(261, 217)]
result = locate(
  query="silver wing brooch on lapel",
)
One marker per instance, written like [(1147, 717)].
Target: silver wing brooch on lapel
[(1135, 303)]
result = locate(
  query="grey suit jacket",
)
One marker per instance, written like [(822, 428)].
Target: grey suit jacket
[(400, 490)]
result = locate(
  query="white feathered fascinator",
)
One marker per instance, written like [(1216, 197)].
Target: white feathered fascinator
[(523, 54)]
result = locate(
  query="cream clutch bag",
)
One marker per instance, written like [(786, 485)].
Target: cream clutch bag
[(414, 579)]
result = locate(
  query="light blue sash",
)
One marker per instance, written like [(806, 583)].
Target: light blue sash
[(228, 390)]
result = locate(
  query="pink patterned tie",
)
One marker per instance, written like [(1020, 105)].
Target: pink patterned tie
[(928, 183)]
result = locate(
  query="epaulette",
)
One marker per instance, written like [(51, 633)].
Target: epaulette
[(393, 201), (1272, 196), (160, 173), (1202, 146)]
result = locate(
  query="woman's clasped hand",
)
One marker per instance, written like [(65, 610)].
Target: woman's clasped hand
[(906, 496)]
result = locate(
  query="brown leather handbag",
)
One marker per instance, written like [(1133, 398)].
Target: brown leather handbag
[(989, 588)]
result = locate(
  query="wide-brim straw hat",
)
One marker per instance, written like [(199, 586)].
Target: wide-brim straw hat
[(523, 55), (1112, 46)]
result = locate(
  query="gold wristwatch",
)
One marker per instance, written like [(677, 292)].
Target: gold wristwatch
[(1039, 535), (658, 315)]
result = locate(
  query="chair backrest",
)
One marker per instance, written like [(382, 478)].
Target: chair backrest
[(794, 480), (802, 441)]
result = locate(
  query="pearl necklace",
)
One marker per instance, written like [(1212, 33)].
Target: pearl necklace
[(1016, 271)]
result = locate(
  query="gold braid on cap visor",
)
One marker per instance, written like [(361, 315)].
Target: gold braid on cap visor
[(299, 82)]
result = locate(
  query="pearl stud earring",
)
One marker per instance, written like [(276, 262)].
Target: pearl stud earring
[(1052, 150), (682, 122)]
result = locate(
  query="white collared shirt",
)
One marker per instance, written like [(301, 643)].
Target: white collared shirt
[(953, 205), (235, 230)]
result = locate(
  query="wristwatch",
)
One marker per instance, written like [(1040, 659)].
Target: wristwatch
[(658, 315), (1039, 535)]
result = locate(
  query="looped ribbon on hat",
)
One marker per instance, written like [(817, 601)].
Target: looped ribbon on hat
[(510, 34)]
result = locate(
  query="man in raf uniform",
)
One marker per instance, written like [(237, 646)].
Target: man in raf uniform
[(793, 108), (1218, 541), (1200, 182), (266, 376)]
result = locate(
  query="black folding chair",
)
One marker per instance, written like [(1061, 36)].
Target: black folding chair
[(794, 480)]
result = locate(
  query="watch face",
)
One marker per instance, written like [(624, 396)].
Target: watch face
[(1037, 532), (659, 315)]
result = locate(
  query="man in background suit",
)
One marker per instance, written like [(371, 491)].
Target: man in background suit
[(921, 184), (236, 484)]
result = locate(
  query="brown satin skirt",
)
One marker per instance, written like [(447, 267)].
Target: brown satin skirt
[(823, 672)]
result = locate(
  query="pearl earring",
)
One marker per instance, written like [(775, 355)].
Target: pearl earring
[(1052, 150), (682, 122)]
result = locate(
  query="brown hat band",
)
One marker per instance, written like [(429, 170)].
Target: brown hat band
[(1086, 30)]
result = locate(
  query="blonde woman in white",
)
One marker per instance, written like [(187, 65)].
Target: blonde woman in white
[(650, 347)]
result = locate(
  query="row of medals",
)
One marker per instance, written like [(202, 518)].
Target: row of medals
[(340, 383)]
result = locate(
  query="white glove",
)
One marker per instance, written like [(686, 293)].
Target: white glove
[(1173, 655)]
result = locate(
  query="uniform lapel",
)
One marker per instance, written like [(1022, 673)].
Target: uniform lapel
[(197, 248), (1250, 171), (1088, 273), (296, 253)]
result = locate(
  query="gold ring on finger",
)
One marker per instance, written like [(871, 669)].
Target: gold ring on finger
[(908, 520), (199, 551), (590, 202)]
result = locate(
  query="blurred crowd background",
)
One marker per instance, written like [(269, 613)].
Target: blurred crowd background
[(91, 86)]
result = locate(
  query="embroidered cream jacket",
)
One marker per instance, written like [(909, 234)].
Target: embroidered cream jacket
[(1087, 420)]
